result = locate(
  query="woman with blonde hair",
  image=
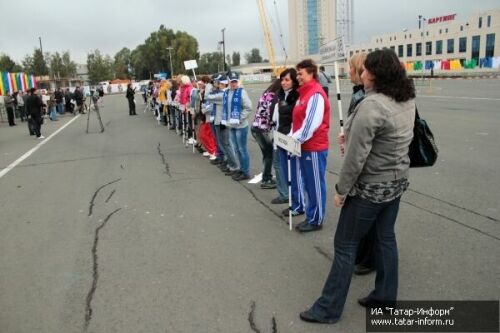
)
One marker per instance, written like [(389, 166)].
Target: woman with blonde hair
[(355, 70), (365, 256), (164, 100)]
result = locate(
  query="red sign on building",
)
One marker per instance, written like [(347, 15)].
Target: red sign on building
[(441, 19)]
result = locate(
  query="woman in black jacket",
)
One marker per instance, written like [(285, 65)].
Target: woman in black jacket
[(282, 119), (130, 95)]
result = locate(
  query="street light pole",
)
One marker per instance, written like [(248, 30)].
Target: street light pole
[(421, 24), (223, 50), (170, 56)]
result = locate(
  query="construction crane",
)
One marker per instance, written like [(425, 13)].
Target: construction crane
[(267, 38)]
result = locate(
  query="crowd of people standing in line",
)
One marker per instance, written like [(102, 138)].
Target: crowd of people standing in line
[(214, 115)]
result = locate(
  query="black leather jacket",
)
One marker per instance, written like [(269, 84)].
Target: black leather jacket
[(285, 110)]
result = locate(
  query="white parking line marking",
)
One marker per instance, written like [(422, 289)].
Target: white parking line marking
[(34, 149), (460, 97)]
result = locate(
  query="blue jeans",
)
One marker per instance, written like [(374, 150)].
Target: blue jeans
[(356, 218), (52, 113), (60, 108), (281, 178), (228, 148), (218, 138), (239, 138)]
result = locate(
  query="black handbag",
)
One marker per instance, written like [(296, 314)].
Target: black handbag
[(423, 151)]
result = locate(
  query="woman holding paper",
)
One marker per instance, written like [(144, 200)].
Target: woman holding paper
[(282, 122)]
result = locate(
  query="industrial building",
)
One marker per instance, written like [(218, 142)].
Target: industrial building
[(444, 44)]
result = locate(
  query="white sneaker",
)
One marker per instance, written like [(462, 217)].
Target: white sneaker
[(206, 154), (191, 141), (213, 157), (41, 137)]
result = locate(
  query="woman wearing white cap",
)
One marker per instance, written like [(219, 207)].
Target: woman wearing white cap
[(236, 108)]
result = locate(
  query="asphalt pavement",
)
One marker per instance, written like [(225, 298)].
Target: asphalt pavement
[(129, 231)]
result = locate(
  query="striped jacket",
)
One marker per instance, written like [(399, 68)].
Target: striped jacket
[(311, 117)]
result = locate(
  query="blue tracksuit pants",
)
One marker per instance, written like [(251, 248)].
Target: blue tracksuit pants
[(313, 167)]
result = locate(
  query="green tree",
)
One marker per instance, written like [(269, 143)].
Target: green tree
[(253, 56), (28, 64), (69, 66), (36, 64), (99, 67), (56, 65), (39, 63), (209, 63), (122, 60), (153, 56), (236, 59), (9, 65)]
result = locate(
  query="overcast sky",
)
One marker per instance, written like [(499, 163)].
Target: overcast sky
[(109, 25)]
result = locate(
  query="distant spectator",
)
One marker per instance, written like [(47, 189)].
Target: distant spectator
[(130, 95), (324, 80), (68, 96), (59, 101), (78, 95), (9, 105), (34, 109), (51, 106), (22, 98), (20, 105)]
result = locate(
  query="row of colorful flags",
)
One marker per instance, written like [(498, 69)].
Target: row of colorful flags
[(12, 82)]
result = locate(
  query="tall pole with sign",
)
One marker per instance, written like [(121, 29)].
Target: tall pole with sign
[(191, 65), (332, 52)]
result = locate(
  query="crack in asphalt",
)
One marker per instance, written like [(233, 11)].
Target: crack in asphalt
[(183, 179), (447, 217), (77, 160), (164, 161), (452, 220), (95, 271), (323, 253), (110, 195), (91, 204), (443, 201), (278, 215), (251, 318), (455, 205)]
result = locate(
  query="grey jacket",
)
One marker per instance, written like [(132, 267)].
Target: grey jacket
[(216, 98), (9, 101), (323, 79), (378, 134)]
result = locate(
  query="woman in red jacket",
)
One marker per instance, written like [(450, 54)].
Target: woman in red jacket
[(310, 125)]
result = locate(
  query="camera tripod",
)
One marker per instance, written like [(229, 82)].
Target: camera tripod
[(93, 100)]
